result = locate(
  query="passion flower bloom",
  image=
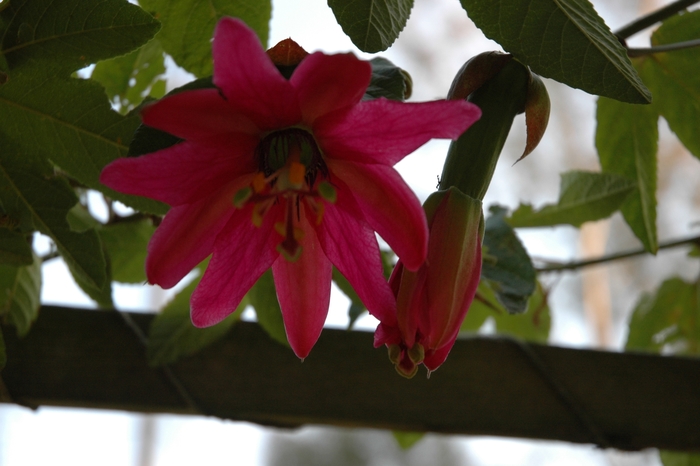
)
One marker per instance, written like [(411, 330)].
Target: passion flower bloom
[(294, 174), (433, 301)]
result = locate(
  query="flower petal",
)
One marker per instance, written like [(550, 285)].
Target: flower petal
[(196, 114), (249, 79), (304, 292), (187, 236), (326, 83), (385, 131), (389, 206), (350, 245), (242, 253), (185, 172)]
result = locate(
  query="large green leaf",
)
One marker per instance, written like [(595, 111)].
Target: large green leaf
[(172, 335), (20, 290), (130, 78), (506, 264), (668, 319), (30, 193), (126, 243), (14, 248), (188, 26), (263, 298), (564, 40), (69, 122), (583, 197), (626, 139), (674, 79), (70, 34), (372, 25)]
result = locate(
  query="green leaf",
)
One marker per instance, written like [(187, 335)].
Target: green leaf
[(130, 78), (69, 122), (70, 34), (407, 439), (263, 298), (172, 335), (564, 40), (583, 197), (677, 458), (626, 139), (102, 295), (388, 80), (506, 264), (188, 26), (372, 25), (126, 243), (14, 248), (532, 325), (28, 192), (20, 293), (674, 79), (667, 320)]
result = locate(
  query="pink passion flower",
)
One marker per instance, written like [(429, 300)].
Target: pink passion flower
[(294, 174)]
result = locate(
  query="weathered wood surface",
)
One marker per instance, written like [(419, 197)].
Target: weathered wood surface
[(487, 386)]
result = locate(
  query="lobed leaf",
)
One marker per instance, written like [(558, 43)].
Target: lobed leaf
[(626, 139), (14, 248), (126, 243), (130, 78), (188, 26), (583, 197), (30, 193), (372, 25), (172, 335), (565, 40), (674, 79), (71, 34), (20, 295), (69, 122), (506, 264)]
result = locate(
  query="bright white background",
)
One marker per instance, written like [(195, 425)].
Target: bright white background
[(437, 40)]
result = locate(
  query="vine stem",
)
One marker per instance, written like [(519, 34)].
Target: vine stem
[(560, 267), (652, 18), (638, 52)]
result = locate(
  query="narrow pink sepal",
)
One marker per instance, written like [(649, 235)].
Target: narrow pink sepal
[(390, 207), (385, 131), (186, 237), (185, 172), (304, 292), (326, 83), (242, 253), (196, 114), (352, 247), (249, 79)]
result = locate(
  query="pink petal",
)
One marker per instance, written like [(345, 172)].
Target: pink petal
[(389, 206), (385, 131), (186, 237), (351, 246), (434, 359), (242, 253), (185, 172), (196, 114), (304, 292), (326, 83), (249, 79)]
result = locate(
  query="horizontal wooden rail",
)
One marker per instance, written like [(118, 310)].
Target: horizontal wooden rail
[(488, 386)]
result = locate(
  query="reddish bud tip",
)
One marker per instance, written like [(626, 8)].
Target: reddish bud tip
[(287, 53)]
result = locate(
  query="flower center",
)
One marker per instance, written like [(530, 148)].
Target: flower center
[(292, 176)]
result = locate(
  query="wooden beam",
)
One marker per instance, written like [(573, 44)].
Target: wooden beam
[(488, 386)]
